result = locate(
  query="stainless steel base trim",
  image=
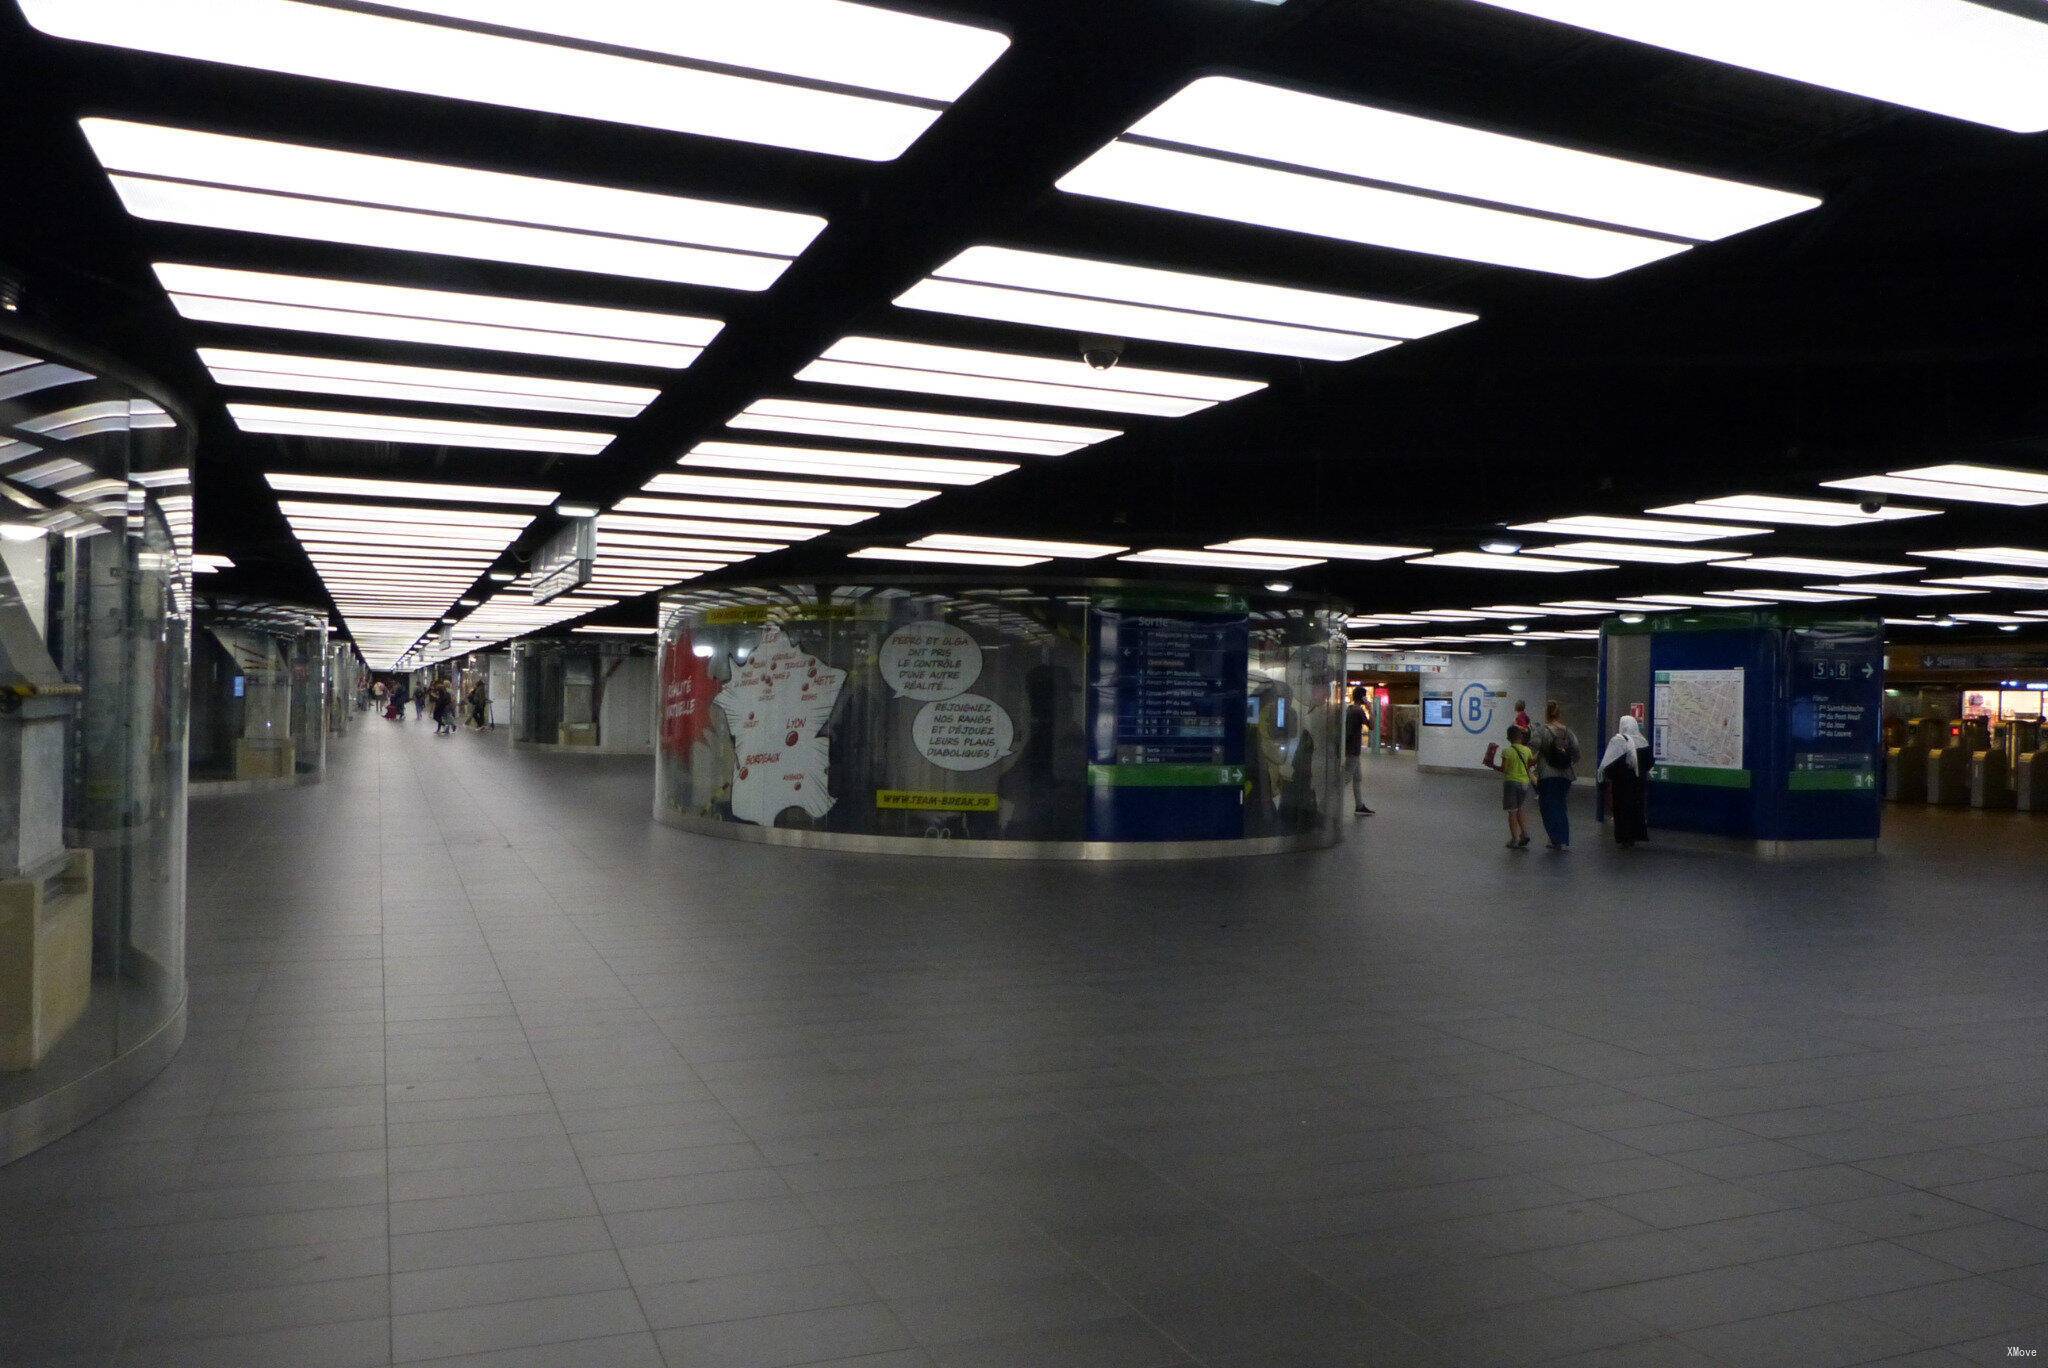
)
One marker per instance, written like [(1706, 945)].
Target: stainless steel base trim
[(862, 843), (1780, 851), (30, 1125), (559, 749), (231, 788)]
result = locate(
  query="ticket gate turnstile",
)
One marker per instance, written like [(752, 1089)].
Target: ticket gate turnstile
[(2030, 782), (1905, 765), (1948, 766), (1991, 779)]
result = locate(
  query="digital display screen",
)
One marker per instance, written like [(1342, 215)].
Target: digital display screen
[(1436, 712), (240, 684)]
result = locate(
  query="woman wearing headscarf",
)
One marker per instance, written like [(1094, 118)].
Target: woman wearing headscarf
[(1625, 765)]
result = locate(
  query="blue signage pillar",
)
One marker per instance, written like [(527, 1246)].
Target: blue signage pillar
[(1765, 726)]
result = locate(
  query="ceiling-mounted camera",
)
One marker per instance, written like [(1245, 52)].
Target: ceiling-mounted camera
[(1872, 504), (1102, 353)]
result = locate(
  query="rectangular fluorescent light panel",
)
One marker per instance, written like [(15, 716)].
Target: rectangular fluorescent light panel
[(1487, 560), (1251, 153), (1807, 565), (936, 557), (1016, 546), (939, 470), (1772, 508), (406, 489), (1948, 57), (1626, 551), (381, 427), (919, 428), (1220, 560), (212, 180), (393, 313), (1992, 555), (1282, 546), (1079, 295), (1997, 582), (1637, 529), (799, 491), (1009, 377), (825, 76), (1680, 601), (1891, 590), (705, 527), (705, 508), (425, 384), (1788, 595), (1961, 482)]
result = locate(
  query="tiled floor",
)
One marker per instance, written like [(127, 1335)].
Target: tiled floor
[(487, 1069)]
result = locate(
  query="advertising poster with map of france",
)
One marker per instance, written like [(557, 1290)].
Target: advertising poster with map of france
[(1696, 728)]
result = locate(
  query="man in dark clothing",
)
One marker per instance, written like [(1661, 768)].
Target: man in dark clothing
[(1356, 720)]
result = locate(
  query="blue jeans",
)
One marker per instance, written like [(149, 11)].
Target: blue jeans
[(1552, 794)]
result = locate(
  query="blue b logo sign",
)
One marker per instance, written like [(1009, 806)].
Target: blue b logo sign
[(1475, 709)]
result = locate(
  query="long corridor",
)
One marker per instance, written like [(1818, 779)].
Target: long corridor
[(486, 1068)]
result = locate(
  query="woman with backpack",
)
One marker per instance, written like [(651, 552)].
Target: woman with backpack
[(1557, 754)]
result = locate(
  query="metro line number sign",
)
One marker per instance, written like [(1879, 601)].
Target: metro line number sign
[(1475, 709)]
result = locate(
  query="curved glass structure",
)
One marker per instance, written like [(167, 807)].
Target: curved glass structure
[(260, 695), (95, 612), (1077, 719)]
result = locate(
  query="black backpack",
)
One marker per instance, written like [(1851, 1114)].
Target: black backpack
[(1561, 748)]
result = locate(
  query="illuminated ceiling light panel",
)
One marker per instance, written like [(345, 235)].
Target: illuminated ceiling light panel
[(1640, 601), (212, 180), (382, 427), (89, 420), (1016, 546), (919, 429), (206, 563), (1788, 595), (1007, 377), (1991, 555), (2027, 620), (1891, 590), (405, 489), (707, 508), (403, 513), (777, 460), (1773, 508), (618, 631), (1949, 57), (937, 557), (1961, 482), (814, 75), (393, 313), (2024, 583), (1809, 565), (1451, 615), (1078, 295), (634, 541), (1530, 610), (1638, 529), (1487, 560), (801, 491), (1234, 149), (1282, 546), (1220, 560), (426, 384), (1594, 605), (705, 527), (1624, 551)]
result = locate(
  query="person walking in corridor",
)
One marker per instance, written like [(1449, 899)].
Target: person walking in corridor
[(1513, 762), (1357, 720), (1557, 757)]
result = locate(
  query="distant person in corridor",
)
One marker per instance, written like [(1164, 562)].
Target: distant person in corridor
[(1357, 721), (1557, 764), (1624, 765), (1513, 762)]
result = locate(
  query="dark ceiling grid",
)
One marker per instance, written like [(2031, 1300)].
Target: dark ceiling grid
[(1894, 325)]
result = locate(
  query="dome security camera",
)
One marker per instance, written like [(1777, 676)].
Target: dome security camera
[(1102, 353), (1872, 503)]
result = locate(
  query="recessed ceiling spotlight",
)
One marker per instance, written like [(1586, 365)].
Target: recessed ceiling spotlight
[(577, 510), (1499, 547), (1631, 617), (1250, 153), (1279, 586)]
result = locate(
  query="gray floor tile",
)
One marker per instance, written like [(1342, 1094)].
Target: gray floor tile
[(806, 1337)]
